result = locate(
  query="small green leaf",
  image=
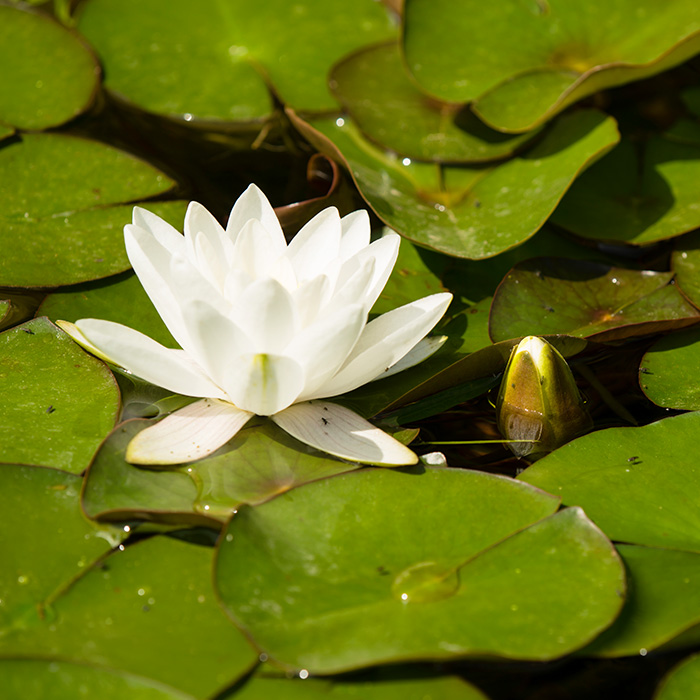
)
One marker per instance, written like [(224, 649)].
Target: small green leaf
[(682, 682)]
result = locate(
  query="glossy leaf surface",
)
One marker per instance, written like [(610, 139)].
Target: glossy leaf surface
[(432, 590), (63, 204), (469, 212), (60, 420)]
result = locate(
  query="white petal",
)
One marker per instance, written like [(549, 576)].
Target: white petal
[(356, 232), (191, 433), (422, 351), (316, 245), (144, 357), (255, 251), (253, 204), (355, 290), (201, 226), (322, 348), (162, 231), (384, 341), (265, 312), (384, 252), (264, 384), (342, 433), (74, 332), (310, 297)]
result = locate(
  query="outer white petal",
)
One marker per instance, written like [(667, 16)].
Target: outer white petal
[(200, 226), (316, 245), (191, 433), (356, 233), (253, 204), (144, 357), (384, 252), (422, 351), (341, 432), (74, 332), (323, 347), (384, 341), (264, 384), (162, 231)]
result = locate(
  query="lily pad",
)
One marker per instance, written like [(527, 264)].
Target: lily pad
[(373, 87), (586, 299), (685, 262), (523, 62), (481, 571), (682, 682), (212, 60), (256, 465), (469, 212), (445, 688), (641, 192), (17, 306), (42, 505), (64, 204), (159, 593), (41, 679), (638, 484), (663, 601), (668, 370), (46, 87), (120, 298), (57, 403)]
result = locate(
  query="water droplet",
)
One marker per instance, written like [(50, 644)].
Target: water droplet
[(151, 601), (141, 591), (340, 121), (406, 161), (127, 528), (303, 674), (188, 117), (229, 537), (440, 207), (642, 652), (201, 598), (121, 548), (263, 658), (22, 580), (425, 582)]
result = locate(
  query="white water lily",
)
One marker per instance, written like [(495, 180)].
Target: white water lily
[(264, 328)]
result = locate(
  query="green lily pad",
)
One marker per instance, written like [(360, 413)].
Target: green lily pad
[(5, 131), (17, 306), (41, 505), (682, 682), (639, 193), (685, 262), (445, 688), (64, 206), (41, 679), (663, 601), (256, 465), (469, 212), (522, 63), (148, 610), (57, 403), (668, 370), (49, 75), (639, 485), (586, 299), (120, 298), (212, 60), (357, 583), (373, 87)]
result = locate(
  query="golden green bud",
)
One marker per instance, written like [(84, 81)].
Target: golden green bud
[(539, 400)]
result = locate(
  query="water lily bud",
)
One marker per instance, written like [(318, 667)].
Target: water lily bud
[(539, 400)]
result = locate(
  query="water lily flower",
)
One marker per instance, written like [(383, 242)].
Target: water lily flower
[(538, 401), (264, 328)]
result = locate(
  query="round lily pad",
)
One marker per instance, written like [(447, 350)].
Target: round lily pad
[(663, 601), (522, 62), (256, 465), (639, 193), (120, 298), (41, 505), (375, 90), (64, 202), (682, 682), (639, 485), (469, 212), (57, 403), (468, 566), (668, 369), (41, 679), (148, 610), (212, 60), (49, 74), (586, 299)]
